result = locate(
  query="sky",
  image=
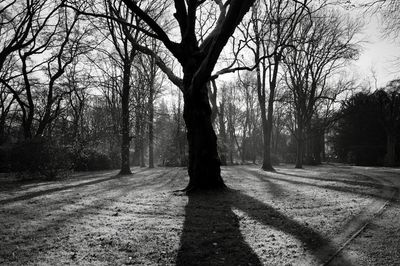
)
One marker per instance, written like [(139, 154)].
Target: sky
[(376, 65), (378, 54)]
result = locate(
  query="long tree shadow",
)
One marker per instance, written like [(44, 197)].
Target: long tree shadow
[(100, 205), (353, 188), (84, 182), (211, 233), (349, 180)]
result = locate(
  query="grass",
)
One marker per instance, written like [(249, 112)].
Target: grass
[(291, 217)]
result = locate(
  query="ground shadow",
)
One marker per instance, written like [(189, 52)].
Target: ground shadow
[(83, 183), (100, 203), (353, 187), (348, 181), (211, 233)]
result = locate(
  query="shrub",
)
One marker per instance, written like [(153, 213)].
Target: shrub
[(91, 160), (39, 158)]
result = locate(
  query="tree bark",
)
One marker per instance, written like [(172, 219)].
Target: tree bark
[(142, 147), (204, 163), (267, 165), (390, 157), (2, 128), (299, 147), (323, 150), (266, 128), (151, 127), (125, 144), (222, 131)]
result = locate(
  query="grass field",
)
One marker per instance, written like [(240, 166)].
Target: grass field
[(290, 217)]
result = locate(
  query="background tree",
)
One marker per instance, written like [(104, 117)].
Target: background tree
[(323, 44), (7, 100), (389, 107), (69, 38), (273, 24), (359, 137), (126, 53)]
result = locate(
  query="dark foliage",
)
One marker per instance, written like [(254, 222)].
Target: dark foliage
[(37, 158), (93, 160), (360, 136)]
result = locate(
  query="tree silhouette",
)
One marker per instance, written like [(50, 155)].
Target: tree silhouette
[(197, 59)]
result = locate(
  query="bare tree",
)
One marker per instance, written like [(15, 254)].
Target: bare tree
[(149, 72), (323, 44), (197, 60), (273, 24), (388, 11), (7, 100), (21, 22), (126, 53), (55, 31)]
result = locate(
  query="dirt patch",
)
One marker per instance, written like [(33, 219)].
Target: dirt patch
[(285, 218)]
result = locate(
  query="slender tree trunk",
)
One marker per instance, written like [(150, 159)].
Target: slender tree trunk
[(390, 157), (142, 147), (204, 163), (266, 139), (323, 150), (151, 128), (222, 132), (2, 129), (27, 123), (267, 165), (307, 147), (125, 144), (136, 153), (319, 144), (243, 147), (300, 147), (276, 140), (181, 149), (254, 147), (44, 122), (266, 128)]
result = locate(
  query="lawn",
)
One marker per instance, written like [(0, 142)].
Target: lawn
[(290, 217)]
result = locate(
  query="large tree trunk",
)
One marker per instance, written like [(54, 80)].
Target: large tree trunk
[(125, 144), (390, 157), (204, 163), (266, 166)]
